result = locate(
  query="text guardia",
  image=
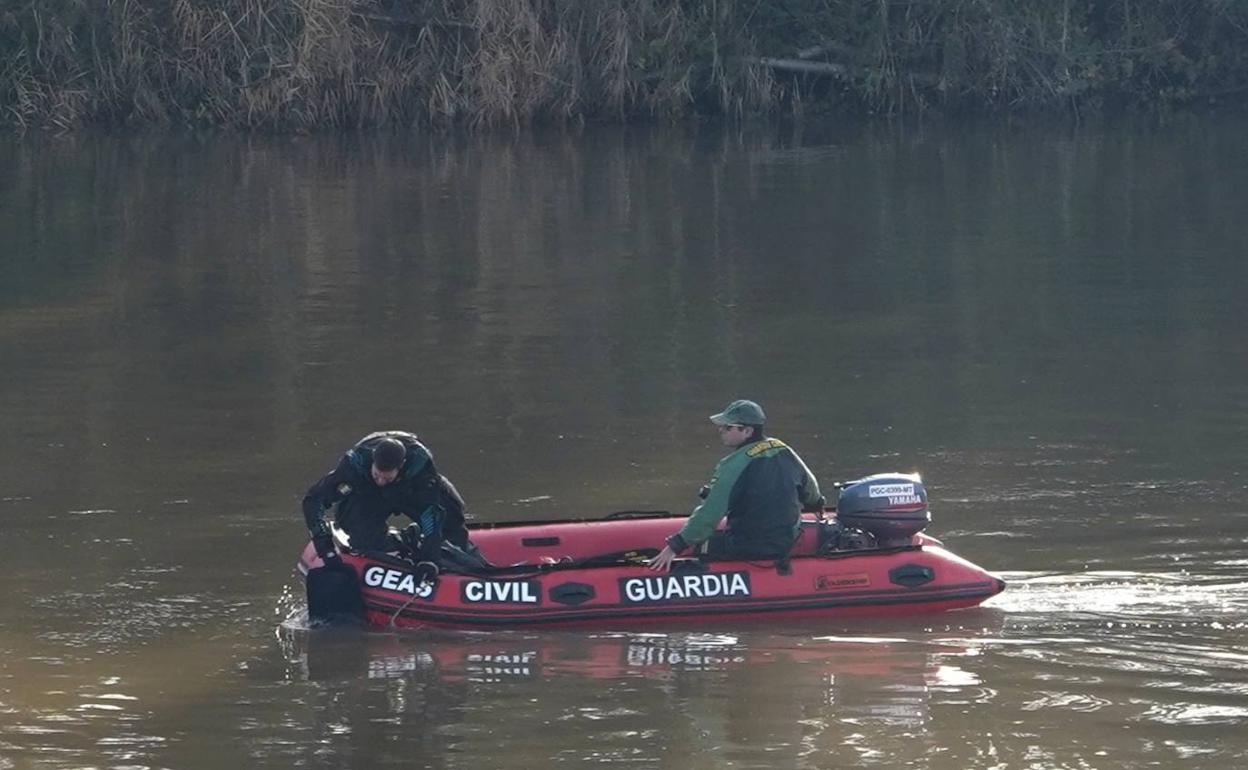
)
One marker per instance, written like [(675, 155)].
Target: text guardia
[(672, 587)]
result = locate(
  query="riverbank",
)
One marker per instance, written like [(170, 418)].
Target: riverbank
[(303, 64)]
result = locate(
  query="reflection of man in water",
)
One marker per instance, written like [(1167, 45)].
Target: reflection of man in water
[(761, 487), (365, 711), (385, 474)]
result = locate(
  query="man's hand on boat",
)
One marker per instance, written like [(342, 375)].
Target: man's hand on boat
[(662, 562), (325, 549)]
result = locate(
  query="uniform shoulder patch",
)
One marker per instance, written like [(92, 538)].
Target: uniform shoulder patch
[(344, 489), (763, 446)]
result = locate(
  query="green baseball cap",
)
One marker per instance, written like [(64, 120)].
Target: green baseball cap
[(740, 412)]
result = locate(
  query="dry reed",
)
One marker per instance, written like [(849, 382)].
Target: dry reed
[(303, 64)]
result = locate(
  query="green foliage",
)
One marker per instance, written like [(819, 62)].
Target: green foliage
[(312, 63)]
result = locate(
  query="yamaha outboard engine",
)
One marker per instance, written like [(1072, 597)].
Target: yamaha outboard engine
[(890, 506)]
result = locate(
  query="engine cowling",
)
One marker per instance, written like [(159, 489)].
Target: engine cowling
[(891, 506)]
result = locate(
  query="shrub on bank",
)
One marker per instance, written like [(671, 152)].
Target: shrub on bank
[(316, 63)]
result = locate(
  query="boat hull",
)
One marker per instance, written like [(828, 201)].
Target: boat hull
[(551, 589)]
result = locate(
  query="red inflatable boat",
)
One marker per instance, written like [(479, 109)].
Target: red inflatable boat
[(591, 573)]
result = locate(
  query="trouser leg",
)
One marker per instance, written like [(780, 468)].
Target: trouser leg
[(722, 546)]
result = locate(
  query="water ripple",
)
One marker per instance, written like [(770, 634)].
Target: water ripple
[(1194, 714), (1065, 700)]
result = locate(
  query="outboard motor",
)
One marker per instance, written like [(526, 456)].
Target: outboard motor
[(890, 506)]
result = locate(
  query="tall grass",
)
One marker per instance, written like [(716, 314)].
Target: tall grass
[(302, 64)]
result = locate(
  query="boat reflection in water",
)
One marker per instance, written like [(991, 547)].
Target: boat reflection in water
[(852, 676)]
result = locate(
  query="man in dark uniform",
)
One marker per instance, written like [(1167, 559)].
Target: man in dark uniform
[(761, 486), (384, 474)]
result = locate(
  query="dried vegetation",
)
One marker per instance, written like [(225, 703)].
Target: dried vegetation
[(302, 64)]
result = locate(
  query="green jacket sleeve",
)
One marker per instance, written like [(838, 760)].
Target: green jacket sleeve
[(808, 492), (706, 516)]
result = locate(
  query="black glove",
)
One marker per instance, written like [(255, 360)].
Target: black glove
[(817, 506), (408, 541), (324, 545)]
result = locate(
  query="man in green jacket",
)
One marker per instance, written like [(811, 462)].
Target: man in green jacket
[(761, 487)]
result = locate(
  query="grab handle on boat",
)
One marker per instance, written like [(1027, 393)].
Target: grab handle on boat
[(637, 515)]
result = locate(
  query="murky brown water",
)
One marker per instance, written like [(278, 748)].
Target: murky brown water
[(1049, 324)]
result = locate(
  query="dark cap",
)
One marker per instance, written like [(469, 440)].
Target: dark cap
[(388, 454), (740, 412)]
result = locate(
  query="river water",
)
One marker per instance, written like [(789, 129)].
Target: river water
[(1048, 323)]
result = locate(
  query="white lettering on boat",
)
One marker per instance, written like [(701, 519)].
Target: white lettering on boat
[(396, 580), (890, 490), (904, 500), (711, 585), (501, 592)]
